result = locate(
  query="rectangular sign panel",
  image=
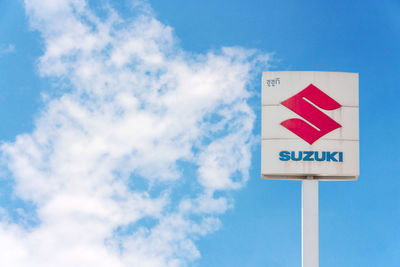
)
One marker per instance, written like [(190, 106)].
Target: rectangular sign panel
[(309, 125)]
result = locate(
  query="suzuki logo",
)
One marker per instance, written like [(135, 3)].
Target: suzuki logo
[(316, 123)]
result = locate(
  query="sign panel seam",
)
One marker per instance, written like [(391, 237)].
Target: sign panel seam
[(277, 105), (287, 138)]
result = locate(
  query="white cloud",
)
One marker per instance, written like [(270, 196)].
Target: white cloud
[(6, 49), (135, 108)]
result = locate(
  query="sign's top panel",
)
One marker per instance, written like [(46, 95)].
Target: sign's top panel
[(277, 86)]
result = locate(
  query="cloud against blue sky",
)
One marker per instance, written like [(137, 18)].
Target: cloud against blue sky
[(135, 117)]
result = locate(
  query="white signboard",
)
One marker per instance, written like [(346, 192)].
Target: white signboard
[(309, 125)]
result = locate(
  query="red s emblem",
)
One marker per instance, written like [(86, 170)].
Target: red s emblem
[(316, 123)]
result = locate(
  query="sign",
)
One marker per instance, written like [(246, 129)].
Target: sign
[(309, 125)]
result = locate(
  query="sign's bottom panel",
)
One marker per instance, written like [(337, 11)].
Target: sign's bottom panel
[(325, 158)]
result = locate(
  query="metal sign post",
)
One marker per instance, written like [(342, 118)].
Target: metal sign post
[(309, 223)]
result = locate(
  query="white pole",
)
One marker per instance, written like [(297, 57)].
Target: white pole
[(309, 222)]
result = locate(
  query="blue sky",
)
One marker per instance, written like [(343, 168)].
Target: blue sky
[(246, 221)]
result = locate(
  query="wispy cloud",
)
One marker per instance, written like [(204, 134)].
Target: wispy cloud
[(106, 162), (6, 49)]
